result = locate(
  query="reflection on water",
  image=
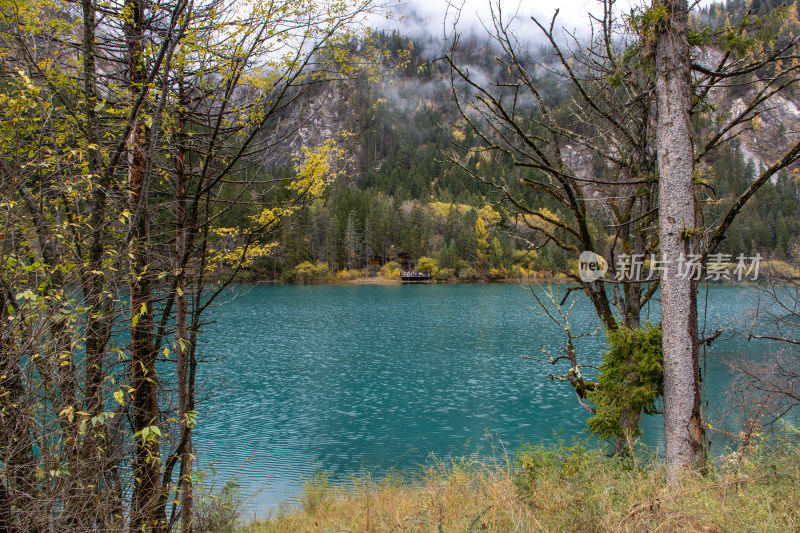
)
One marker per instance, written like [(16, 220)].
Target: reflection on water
[(376, 377)]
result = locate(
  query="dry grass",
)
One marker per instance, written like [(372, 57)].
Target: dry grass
[(556, 488)]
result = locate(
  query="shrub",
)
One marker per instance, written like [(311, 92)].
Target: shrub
[(427, 265), (349, 275), (555, 462), (630, 376), (445, 274), (517, 272), (317, 490), (466, 272), (390, 270), (498, 273), (309, 272), (322, 271), (216, 508)]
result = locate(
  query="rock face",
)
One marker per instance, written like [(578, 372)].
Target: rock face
[(777, 122), (322, 115), (328, 110)]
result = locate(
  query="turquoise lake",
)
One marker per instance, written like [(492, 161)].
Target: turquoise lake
[(347, 378)]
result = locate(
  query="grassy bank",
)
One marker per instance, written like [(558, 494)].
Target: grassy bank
[(556, 488)]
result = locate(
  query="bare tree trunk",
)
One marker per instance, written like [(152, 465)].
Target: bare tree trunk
[(629, 420), (181, 314), (16, 441), (93, 278), (147, 463), (630, 416), (81, 494), (6, 520), (58, 368), (144, 380), (683, 429)]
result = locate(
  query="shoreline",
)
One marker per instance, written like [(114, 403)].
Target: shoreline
[(772, 272), (561, 279), (387, 281)]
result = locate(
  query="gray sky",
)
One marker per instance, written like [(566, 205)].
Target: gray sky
[(427, 16)]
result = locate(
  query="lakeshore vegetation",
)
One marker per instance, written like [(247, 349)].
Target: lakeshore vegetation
[(555, 488)]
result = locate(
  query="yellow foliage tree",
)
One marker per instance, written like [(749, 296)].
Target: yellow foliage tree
[(121, 127)]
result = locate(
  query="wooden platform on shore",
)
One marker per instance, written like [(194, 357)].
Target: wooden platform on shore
[(415, 277)]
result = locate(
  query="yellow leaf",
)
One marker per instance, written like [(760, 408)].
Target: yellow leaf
[(69, 411)]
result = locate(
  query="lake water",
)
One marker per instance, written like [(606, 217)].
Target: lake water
[(344, 378)]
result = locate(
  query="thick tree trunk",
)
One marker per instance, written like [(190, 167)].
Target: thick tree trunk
[(143, 372), (683, 429), (144, 380)]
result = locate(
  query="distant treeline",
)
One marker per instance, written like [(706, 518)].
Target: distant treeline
[(405, 201)]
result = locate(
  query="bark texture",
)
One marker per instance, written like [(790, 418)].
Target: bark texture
[(683, 430), (147, 463), (181, 315)]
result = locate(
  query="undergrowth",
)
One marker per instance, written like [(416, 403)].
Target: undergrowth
[(561, 487)]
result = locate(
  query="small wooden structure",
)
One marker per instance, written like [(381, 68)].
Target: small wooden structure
[(412, 276), (407, 261)]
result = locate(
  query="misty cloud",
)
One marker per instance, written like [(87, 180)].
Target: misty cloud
[(435, 18)]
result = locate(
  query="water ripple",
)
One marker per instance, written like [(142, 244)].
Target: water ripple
[(344, 378)]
